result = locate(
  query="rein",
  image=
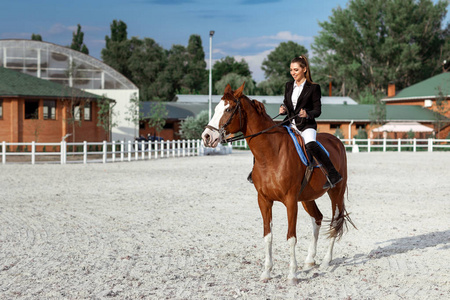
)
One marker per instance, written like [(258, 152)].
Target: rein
[(222, 131)]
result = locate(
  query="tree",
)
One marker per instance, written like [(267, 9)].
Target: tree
[(157, 117), (373, 42), (195, 79), (77, 41), (277, 64), (236, 80), (36, 37), (272, 87), (441, 110), (228, 65), (106, 117), (147, 61), (117, 50), (192, 128)]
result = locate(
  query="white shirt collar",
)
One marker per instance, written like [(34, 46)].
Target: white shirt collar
[(301, 85)]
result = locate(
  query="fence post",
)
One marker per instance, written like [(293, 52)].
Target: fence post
[(3, 152), (113, 149), (122, 148), (184, 148), (162, 149), (384, 144), (129, 150), (368, 145), (430, 145), (179, 148), (149, 149), (105, 151), (136, 150), (63, 152), (33, 152), (156, 149), (85, 148), (414, 144), (143, 150), (399, 143)]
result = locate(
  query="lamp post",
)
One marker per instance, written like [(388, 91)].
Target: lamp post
[(211, 33)]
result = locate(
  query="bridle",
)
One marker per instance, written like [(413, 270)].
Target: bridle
[(222, 131)]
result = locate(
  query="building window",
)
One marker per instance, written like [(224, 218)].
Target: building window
[(87, 111), (31, 109), (335, 126), (49, 109), (76, 113), (1, 109)]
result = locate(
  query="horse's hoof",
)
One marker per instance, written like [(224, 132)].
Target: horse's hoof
[(265, 277), (308, 266), (293, 280)]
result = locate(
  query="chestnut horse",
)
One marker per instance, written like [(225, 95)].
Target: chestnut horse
[(278, 173)]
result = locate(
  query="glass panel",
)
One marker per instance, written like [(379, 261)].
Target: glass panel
[(31, 109), (58, 61), (49, 109), (87, 111), (76, 113), (14, 63)]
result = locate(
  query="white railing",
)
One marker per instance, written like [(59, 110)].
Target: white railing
[(104, 152), (383, 145), (398, 145)]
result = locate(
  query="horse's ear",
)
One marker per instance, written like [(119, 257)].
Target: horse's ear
[(238, 92), (228, 89)]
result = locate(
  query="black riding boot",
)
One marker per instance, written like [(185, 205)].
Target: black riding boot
[(333, 175)]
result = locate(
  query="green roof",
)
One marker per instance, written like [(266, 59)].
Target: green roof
[(14, 83), (330, 112), (428, 88)]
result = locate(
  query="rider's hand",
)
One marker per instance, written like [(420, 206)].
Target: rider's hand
[(303, 113), (282, 110)]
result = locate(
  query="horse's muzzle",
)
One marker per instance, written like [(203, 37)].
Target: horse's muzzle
[(211, 138)]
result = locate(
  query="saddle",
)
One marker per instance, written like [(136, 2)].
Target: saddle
[(307, 159)]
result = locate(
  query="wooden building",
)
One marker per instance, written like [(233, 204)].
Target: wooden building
[(34, 109)]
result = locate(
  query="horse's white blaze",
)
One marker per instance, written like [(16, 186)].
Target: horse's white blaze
[(211, 138), (309, 261), (268, 263), (293, 265)]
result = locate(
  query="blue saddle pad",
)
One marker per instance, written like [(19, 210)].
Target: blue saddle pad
[(299, 148)]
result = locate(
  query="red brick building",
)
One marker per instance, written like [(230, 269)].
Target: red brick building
[(33, 109)]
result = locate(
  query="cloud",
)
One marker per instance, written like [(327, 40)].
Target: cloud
[(254, 63), (255, 49), (269, 41)]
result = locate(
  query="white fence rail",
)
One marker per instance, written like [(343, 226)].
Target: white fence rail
[(384, 145), (104, 152)]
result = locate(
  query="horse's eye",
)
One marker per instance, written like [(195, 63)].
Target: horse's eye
[(228, 110)]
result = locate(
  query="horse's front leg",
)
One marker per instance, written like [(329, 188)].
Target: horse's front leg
[(265, 207), (292, 209)]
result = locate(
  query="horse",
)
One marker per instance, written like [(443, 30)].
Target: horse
[(278, 174)]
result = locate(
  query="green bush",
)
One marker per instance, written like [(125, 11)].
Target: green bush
[(339, 133)]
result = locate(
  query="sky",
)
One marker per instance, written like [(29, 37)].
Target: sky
[(244, 29)]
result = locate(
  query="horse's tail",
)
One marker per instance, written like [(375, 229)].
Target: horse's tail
[(338, 224)]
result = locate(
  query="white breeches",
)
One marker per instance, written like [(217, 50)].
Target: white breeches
[(309, 134)]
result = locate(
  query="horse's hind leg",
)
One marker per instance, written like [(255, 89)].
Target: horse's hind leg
[(265, 207), (316, 218), (337, 221)]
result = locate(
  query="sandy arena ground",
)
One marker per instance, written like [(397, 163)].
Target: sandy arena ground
[(190, 228)]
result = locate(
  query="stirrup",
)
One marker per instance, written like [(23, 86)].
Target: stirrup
[(330, 185)]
